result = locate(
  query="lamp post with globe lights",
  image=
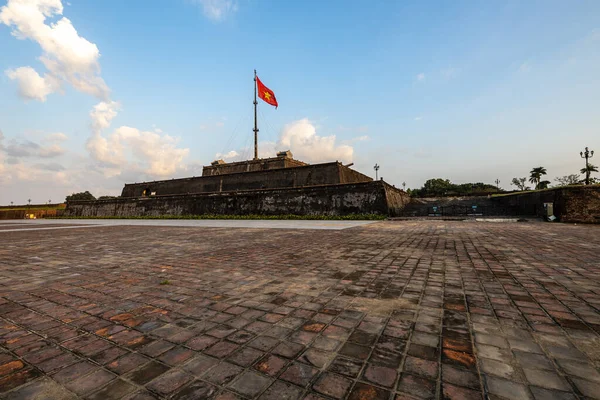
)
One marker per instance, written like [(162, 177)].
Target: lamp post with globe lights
[(587, 154)]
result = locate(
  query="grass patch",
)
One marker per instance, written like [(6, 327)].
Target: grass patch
[(165, 282), (349, 217)]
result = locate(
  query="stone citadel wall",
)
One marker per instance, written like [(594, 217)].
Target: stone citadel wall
[(570, 203), (305, 175), (375, 197), (220, 167)]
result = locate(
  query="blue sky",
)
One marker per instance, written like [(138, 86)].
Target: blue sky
[(469, 91)]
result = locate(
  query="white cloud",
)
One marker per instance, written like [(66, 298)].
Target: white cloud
[(50, 151), (421, 76), (128, 149), (56, 137), (68, 57), (217, 10), (301, 138), (31, 85), (102, 115), (29, 149), (227, 156), (418, 118)]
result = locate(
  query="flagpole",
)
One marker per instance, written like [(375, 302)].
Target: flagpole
[(255, 121)]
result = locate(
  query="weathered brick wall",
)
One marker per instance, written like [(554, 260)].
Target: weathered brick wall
[(349, 175), (570, 203), (396, 199), (359, 198), (20, 214), (308, 175), (251, 165)]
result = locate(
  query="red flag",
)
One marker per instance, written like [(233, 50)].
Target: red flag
[(265, 93)]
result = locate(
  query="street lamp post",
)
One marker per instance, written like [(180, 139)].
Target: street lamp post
[(376, 168), (497, 184), (587, 155)]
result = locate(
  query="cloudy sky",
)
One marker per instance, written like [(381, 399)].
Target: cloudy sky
[(94, 94)]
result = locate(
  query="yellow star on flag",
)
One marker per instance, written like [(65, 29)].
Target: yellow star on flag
[(267, 95)]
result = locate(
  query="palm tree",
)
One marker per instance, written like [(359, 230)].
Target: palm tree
[(589, 169), (535, 176)]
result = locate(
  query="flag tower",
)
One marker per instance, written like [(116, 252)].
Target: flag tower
[(255, 121), (268, 97)]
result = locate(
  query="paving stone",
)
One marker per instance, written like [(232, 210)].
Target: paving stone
[(299, 374), (263, 343), (415, 385), (74, 371), (281, 391), (196, 390), (587, 388), (499, 369), (317, 358), (492, 340), (127, 363), (43, 388), (489, 302), (21, 377), (148, 372), (419, 366), (250, 383), (452, 392), (169, 382), (115, 390), (222, 373), (222, 349), (382, 376), (507, 389), (524, 345), (357, 351), (270, 364), (345, 366), (425, 339), (580, 369), (533, 361), (326, 344), (288, 349), (547, 394), (200, 343), (546, 379), (332, 385), (89, 383), (363, 391), (493, 353)]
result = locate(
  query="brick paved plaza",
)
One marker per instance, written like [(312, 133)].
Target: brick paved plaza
[(388, 310)]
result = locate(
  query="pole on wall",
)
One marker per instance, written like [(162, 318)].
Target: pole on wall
[(255, 121)]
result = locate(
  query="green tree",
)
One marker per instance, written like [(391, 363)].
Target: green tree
[(567, 180), (81, 196), (543, 185), (520, 183), (436, 187), (535, 176)]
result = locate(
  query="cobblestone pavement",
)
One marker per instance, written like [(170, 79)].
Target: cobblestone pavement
[(390, 310)]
